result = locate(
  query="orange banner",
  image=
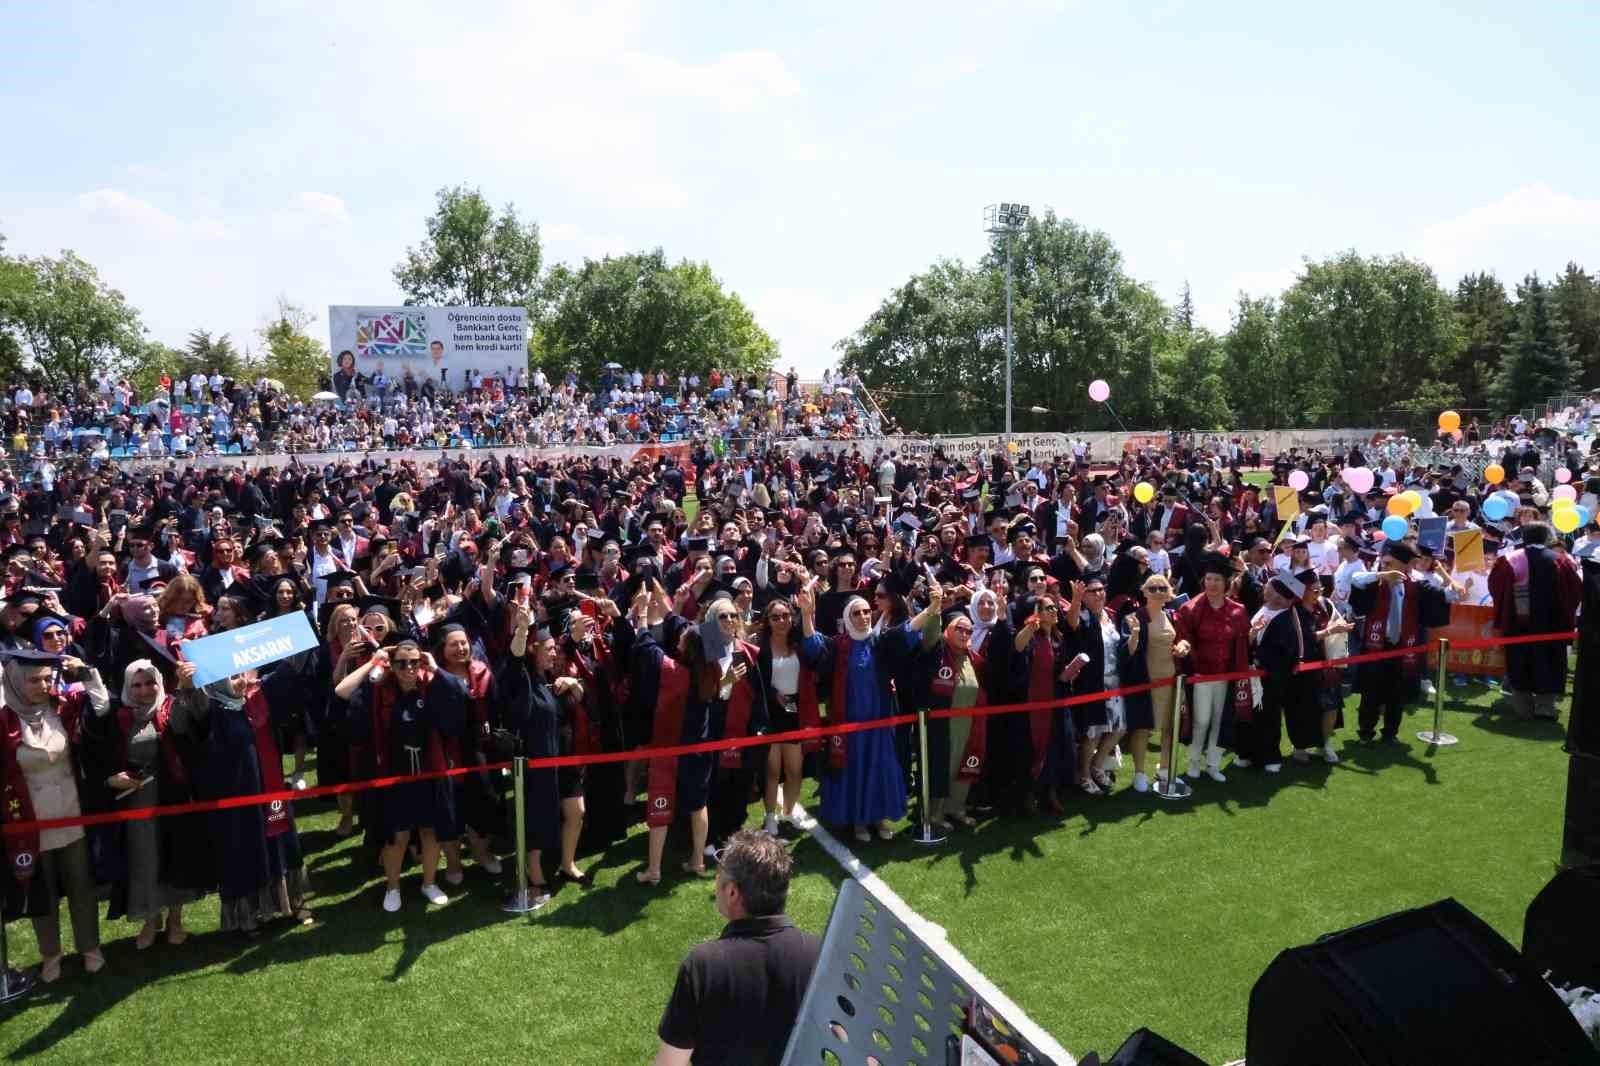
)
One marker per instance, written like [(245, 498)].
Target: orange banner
[(1470, 622)]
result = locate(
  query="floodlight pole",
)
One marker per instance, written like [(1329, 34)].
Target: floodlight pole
[(1009, 242), (1007, 219)]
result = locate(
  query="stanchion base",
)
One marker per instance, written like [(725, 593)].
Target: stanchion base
[(14, 984), (523, 902), (927, 837), (1438, 740), (1176, 789)]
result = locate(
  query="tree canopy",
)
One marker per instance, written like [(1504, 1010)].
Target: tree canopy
[(69, 322), (642, 312), (471, 256)]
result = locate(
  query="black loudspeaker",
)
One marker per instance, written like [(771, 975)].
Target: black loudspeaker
[(1580, 840), (1145, 1048), (1561, 933), (1429, 987)]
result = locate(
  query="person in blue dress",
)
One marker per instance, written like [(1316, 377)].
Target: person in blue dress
[(864, 785)]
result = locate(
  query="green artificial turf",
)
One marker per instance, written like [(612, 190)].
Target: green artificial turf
[(1128, 911)]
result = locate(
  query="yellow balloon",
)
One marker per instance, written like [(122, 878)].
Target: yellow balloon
[(1562, 503), (1144, 492), (1494, 473), (1011, 446), (1415, 497), (1565, 519), (1399, 505), (1449, 422)]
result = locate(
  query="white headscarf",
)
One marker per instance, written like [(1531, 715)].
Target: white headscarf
[(856, 630), (134, 670), (980, 628)]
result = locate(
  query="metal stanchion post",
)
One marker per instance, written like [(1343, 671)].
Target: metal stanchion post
[(520, 901), (1173, 787), (926, 836), (1437, 736)]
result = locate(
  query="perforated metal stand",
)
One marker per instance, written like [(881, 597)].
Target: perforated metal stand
[(878, 993), (14, 984)]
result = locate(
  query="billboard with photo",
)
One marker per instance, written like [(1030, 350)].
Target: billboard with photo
[(437, 343)]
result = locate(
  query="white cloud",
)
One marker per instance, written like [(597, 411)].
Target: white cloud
[(311, 212), (808, 322), (1534, 227), (144, 215), (738, 81)]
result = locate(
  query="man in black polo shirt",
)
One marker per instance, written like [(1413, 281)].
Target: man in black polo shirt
[(737, 997)]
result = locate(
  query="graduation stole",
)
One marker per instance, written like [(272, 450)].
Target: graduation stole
[(736, 720), (944, 690), (384, 696), (259, 717), (838, 712), (22, 849), (672, 689), (1041, 686), (586, 735), (1375, 631)]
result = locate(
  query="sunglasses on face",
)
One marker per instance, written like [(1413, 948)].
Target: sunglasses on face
[(962, 629), (405, 664)]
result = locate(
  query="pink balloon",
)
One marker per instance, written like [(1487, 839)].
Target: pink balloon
[(1099, 391), (1359, 478), (1563, 475), (1564, 492), (1298, 480), (1378, 534)]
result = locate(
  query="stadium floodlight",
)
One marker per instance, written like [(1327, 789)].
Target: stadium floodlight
[(1006, 219)]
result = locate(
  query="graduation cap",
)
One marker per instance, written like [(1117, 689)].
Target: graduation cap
[(1288, 585), (587, 581), (558, 570), (1216, 563), (595, 539), (339, 579), (1307, 577), (717, 590), (1398, 551), (698, 544), (384, 605), (29, 656), (321, 524), (977, 540)]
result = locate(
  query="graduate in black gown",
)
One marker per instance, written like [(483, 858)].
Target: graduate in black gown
[(232, 750), (538, 711), (1284, 643), (402, 707)]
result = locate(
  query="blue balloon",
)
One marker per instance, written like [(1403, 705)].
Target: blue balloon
[(1583, 515), (1495, 508), (1395, 527)]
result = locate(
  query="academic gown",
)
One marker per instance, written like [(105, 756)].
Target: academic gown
[(529, 708), (418, 725)]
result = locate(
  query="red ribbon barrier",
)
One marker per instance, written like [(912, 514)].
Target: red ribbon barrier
[(794, 737)]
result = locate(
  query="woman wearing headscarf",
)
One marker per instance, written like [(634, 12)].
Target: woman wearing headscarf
[(474, 798), (169, 861), (40, 778), (232, 750), (866, 786), (956, 746), (402, 707), (984, 610)]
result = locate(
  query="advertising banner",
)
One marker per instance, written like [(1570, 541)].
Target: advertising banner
[(441, 343), (1471, 622)]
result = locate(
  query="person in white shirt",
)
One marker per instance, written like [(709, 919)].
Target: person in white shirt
[(215, 383), (1156, 552), (23, 397)]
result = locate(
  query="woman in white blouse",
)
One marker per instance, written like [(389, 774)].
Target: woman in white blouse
[(786, 679), (39, 778)]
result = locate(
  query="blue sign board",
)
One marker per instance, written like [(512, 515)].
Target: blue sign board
[(249, 647)]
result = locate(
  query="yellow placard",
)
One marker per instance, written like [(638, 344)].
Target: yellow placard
[(1469, 549), (1287, 502)]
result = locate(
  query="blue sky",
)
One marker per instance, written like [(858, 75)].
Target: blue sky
[(209, 158)]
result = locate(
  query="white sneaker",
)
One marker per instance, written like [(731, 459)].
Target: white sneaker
[(433, 894), (455, 877), (711, 853), (1428, 689), (1193, 772), (1242, 764), (391, 900), (1273, 767), (1215, 774), (1328, 754), (1141, 783), (492, 865), (770, 825), (298, 783)]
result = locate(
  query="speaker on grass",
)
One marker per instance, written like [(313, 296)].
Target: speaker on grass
[(1145, 1048), (1580, 840), (1428, 987), (1561, 933)]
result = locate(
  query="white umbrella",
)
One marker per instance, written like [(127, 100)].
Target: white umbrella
[(613, 366), (325, 396)]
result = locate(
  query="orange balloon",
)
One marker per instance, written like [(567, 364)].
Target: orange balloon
[(1399, 505), (1494, 473), (1449, 422)]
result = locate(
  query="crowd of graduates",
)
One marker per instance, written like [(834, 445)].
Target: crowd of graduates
[(471, 609)]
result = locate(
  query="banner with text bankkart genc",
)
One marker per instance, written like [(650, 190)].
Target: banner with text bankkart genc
[(428, 341)]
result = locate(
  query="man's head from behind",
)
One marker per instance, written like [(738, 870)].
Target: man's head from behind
[(753, 876)]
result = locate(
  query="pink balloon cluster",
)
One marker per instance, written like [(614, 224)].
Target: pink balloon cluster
[(1298, 480), (1359, 478)]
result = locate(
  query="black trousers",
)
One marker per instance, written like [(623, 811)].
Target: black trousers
[(1384, 689), (1266, 730)]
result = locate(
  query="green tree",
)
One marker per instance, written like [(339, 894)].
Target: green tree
[(293, 356), (1077, 317), (1196, 396), (146, 368), (67, 320), (646, 314), (1541, 361), (1264, 388), (1368, 332), (15, 280), (204, 354), (1485, 315), (1577, 294), (472, 257)]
